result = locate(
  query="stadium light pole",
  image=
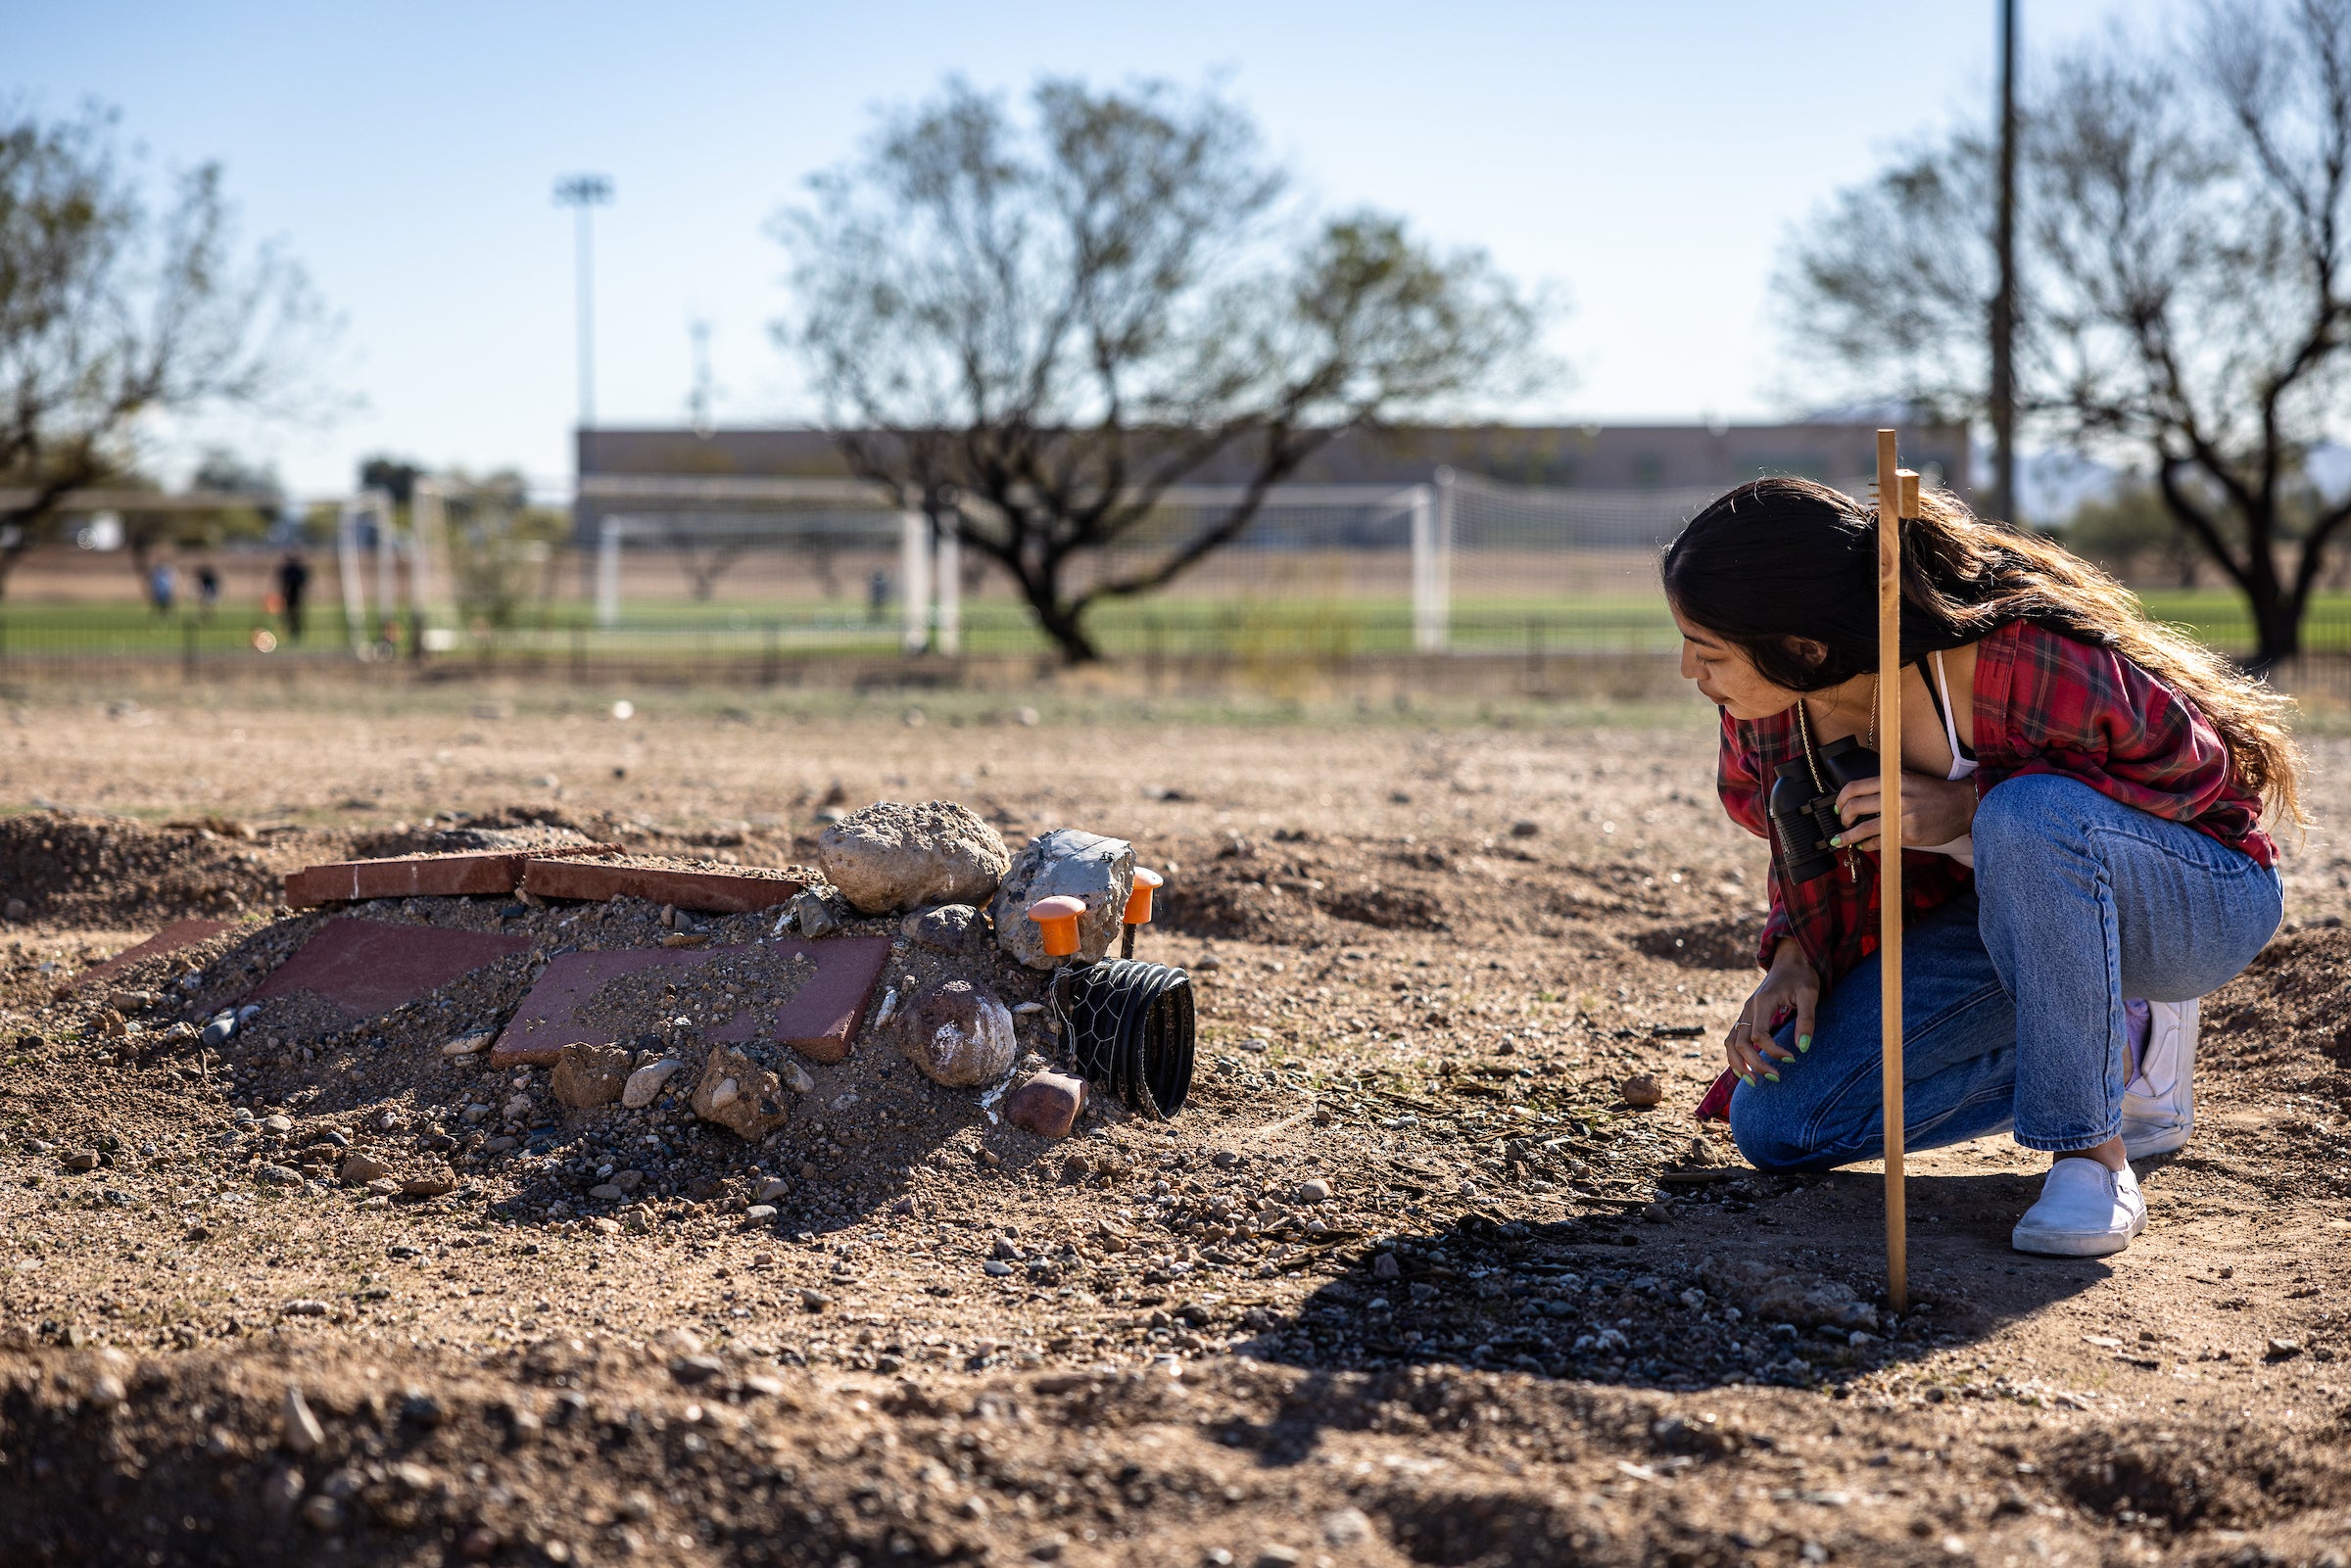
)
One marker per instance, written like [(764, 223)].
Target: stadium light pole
[(583, 193), (2004, 303)]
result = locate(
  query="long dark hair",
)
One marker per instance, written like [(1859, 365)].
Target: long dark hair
[(1786, 570)]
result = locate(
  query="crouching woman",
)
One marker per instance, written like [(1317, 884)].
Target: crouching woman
[(2082, 799)]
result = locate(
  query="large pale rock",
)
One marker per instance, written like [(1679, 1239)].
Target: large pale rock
[(590, 1075), (890, 856), (1099, 871), (645, 1084), (958, 1032), (739, 1094)]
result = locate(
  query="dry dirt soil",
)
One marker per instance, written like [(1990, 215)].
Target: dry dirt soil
[(1407, 1281)]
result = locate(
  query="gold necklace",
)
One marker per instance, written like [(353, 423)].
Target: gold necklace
[(1872, 741)]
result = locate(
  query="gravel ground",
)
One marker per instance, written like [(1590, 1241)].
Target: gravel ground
[(1415, 1277)]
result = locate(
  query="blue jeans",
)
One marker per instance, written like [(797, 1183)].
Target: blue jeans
[(2012, 995)]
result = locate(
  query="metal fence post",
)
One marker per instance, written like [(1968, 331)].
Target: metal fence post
[(914, 582)]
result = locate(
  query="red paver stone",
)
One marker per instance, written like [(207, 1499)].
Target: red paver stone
[(366, 966), (819, 1020), (467, 874), (715, 892), (170, 939)]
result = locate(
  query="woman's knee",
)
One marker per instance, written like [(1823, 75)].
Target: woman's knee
[(2026, 812), (1761, 1130)]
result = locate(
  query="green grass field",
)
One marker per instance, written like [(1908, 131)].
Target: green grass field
[(1169, 627)]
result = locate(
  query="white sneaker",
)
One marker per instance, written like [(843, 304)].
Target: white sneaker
[(2159, 1103), (2085, 1211)]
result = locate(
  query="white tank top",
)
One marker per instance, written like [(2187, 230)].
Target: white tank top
[(1962, 848)]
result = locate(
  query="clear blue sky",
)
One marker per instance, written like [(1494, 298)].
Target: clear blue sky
[(1646, 159)]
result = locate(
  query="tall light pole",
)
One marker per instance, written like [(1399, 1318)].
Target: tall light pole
[(2004, 304), (581, 193)]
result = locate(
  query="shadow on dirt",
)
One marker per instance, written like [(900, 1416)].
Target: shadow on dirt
[(1699, 1301)]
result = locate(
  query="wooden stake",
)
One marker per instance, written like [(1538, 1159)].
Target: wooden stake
[(1897, 494)]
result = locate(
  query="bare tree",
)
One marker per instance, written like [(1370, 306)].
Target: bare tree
[(2186, 294), (117, 313), (1035, 329)]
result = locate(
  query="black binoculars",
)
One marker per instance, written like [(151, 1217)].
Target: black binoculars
[(1803, 817)]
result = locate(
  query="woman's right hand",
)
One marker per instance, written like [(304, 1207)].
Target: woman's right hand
[(1792, 987)]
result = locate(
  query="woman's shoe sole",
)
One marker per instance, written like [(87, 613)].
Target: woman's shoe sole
[(2079, 1245), (2170, 1140)]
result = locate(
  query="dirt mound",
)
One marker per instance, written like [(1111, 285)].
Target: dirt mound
[(1716, 944), (106, 870), (1272, 889)]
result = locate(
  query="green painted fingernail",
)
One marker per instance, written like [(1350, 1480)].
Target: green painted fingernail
[(1836, 843), (1747, 1078), (1773, 1076), (1803, 1042)]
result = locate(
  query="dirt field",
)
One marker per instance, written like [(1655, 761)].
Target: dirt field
[(1519, 1321)]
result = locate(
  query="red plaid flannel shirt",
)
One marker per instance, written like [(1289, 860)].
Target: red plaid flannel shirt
[(2045, 703)]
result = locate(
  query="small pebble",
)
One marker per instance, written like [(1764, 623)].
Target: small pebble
[(299, 1428), (1643, 1089), (1314, 1192)]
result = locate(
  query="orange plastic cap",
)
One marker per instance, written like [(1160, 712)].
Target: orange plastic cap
[(1057, 922), (1139, 902)]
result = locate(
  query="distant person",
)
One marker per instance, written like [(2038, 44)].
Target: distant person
[(293, 582), (877, 595), (163, 586), (208, 590)]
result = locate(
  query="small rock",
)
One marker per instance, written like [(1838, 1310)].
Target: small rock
[(279, 1123), (759, 1214), (890, 856), (739, 1094), (813, 916), (133, 1001), (467, 1044), (2282, 1350), (437, 1184), (814, 1300), (769, 1190), (278, 1175), (1643, 1089), (107, 1392), (323, 1513), (1656, 1213), (958, 1033), (1385, 1266), (1525, 828), (1097, 871), (1346, 1527), (282, 1490), (306, 1307), (1206, 964), (82, 1160), (1047, 1104), (217, 1031), (693, 1370), (644, 1084), (359, 1169), (797, 1079), (947, 928), (1277, 1558), (16, 910), (998, 1266), (298, 1429), (605, 1192), (590, 1075), (1314, 1192)]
